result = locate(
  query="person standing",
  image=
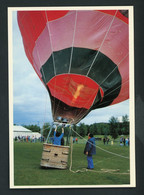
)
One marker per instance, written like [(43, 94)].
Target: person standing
[(58, 137), (107, 140), (90, 149), (124, 141), (104, 140)]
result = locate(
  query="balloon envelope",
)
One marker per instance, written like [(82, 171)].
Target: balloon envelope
[(81, 56)]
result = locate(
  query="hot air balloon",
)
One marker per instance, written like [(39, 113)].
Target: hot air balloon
[(81, 56)]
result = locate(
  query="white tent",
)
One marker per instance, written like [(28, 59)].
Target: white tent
[(23, 132)]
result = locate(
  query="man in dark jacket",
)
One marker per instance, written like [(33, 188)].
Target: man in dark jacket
[(90, 149)]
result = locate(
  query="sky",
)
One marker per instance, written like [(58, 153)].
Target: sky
[(31, 102)]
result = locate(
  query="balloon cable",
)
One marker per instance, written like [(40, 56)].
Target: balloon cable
[(100, 147), (113, 91), (71, 55), (53, 58), (97, 55), (50, 43), (102, 42), (111, 171), (73, 41), (113, 69)]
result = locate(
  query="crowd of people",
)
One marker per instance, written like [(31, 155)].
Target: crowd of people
[(32, 139), (58, 139), (124, 141), (106, 140), (75, 140)]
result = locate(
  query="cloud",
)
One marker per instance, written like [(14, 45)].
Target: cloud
[(104, 114), (31, 101)]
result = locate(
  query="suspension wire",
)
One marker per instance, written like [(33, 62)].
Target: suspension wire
[(48, 27), (49, 133), (45, 84), (72, 51), (72, 45), (103, 102), (117, 87), (84, 169), (114, 69), (73, 42), (70, 59), (100, 147), (59, 99), (42, 130), (72, 54), (96, 58), (33, 60), (71, 152), (102, 42), (113, 91), (69, 135), (40, 63), (110, 93), (50, 43)]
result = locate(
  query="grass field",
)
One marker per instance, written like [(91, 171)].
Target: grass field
[(109, 169)]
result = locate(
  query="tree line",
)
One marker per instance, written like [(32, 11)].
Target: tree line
[(114, 128)]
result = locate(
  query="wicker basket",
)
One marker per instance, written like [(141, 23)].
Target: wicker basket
[(54, 156)]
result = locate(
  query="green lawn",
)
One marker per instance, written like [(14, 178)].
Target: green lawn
[(109, 169)]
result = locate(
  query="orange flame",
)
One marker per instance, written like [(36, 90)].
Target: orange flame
[(77, 92)]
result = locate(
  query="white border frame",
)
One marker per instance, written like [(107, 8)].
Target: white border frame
[(131, 92)]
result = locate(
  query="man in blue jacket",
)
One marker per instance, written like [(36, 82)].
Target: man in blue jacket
[(58, 137), (90, 149)]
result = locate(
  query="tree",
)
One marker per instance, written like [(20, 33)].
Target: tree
[(75, 129), (94, 132), (102, 128), (113, 127), (125, 124), (88, 128), (67, 133), (120, 128), (82, 130), (34, 128), (105, 130), (92, 129), (45, 129)]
